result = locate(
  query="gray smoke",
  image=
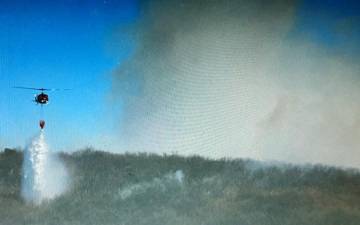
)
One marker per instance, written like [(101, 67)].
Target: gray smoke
[(223, 79)]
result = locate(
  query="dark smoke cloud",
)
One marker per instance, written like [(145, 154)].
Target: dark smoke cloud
[(223, 79)]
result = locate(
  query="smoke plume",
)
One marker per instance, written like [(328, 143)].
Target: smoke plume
[(225, 79)]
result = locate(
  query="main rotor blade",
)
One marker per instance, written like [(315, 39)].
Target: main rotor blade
[(59, 89), (30, 88)]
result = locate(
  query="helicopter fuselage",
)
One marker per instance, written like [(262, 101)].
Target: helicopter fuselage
[(42, 98)]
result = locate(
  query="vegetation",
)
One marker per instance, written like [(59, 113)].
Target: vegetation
[(147, 189)]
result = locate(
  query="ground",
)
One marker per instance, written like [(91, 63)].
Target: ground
[(147, 189)]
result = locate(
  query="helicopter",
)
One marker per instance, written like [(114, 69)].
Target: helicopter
[(41, 98)]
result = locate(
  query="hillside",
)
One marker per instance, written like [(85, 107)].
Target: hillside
[(145, 189)]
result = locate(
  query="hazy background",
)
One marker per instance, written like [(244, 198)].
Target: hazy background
[(272, 80)]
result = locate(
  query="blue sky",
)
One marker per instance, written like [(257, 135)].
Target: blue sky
[(76, 44), (333, 25), (60, 45)]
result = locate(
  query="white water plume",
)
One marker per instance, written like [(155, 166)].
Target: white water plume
[(44, 175)]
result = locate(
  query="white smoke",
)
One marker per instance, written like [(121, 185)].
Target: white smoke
[(44, 175), (227, 80), (160, 184)]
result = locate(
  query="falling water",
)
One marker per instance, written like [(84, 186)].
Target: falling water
[(44, 175)]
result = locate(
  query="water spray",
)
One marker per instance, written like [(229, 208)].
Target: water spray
[(44, 175)]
